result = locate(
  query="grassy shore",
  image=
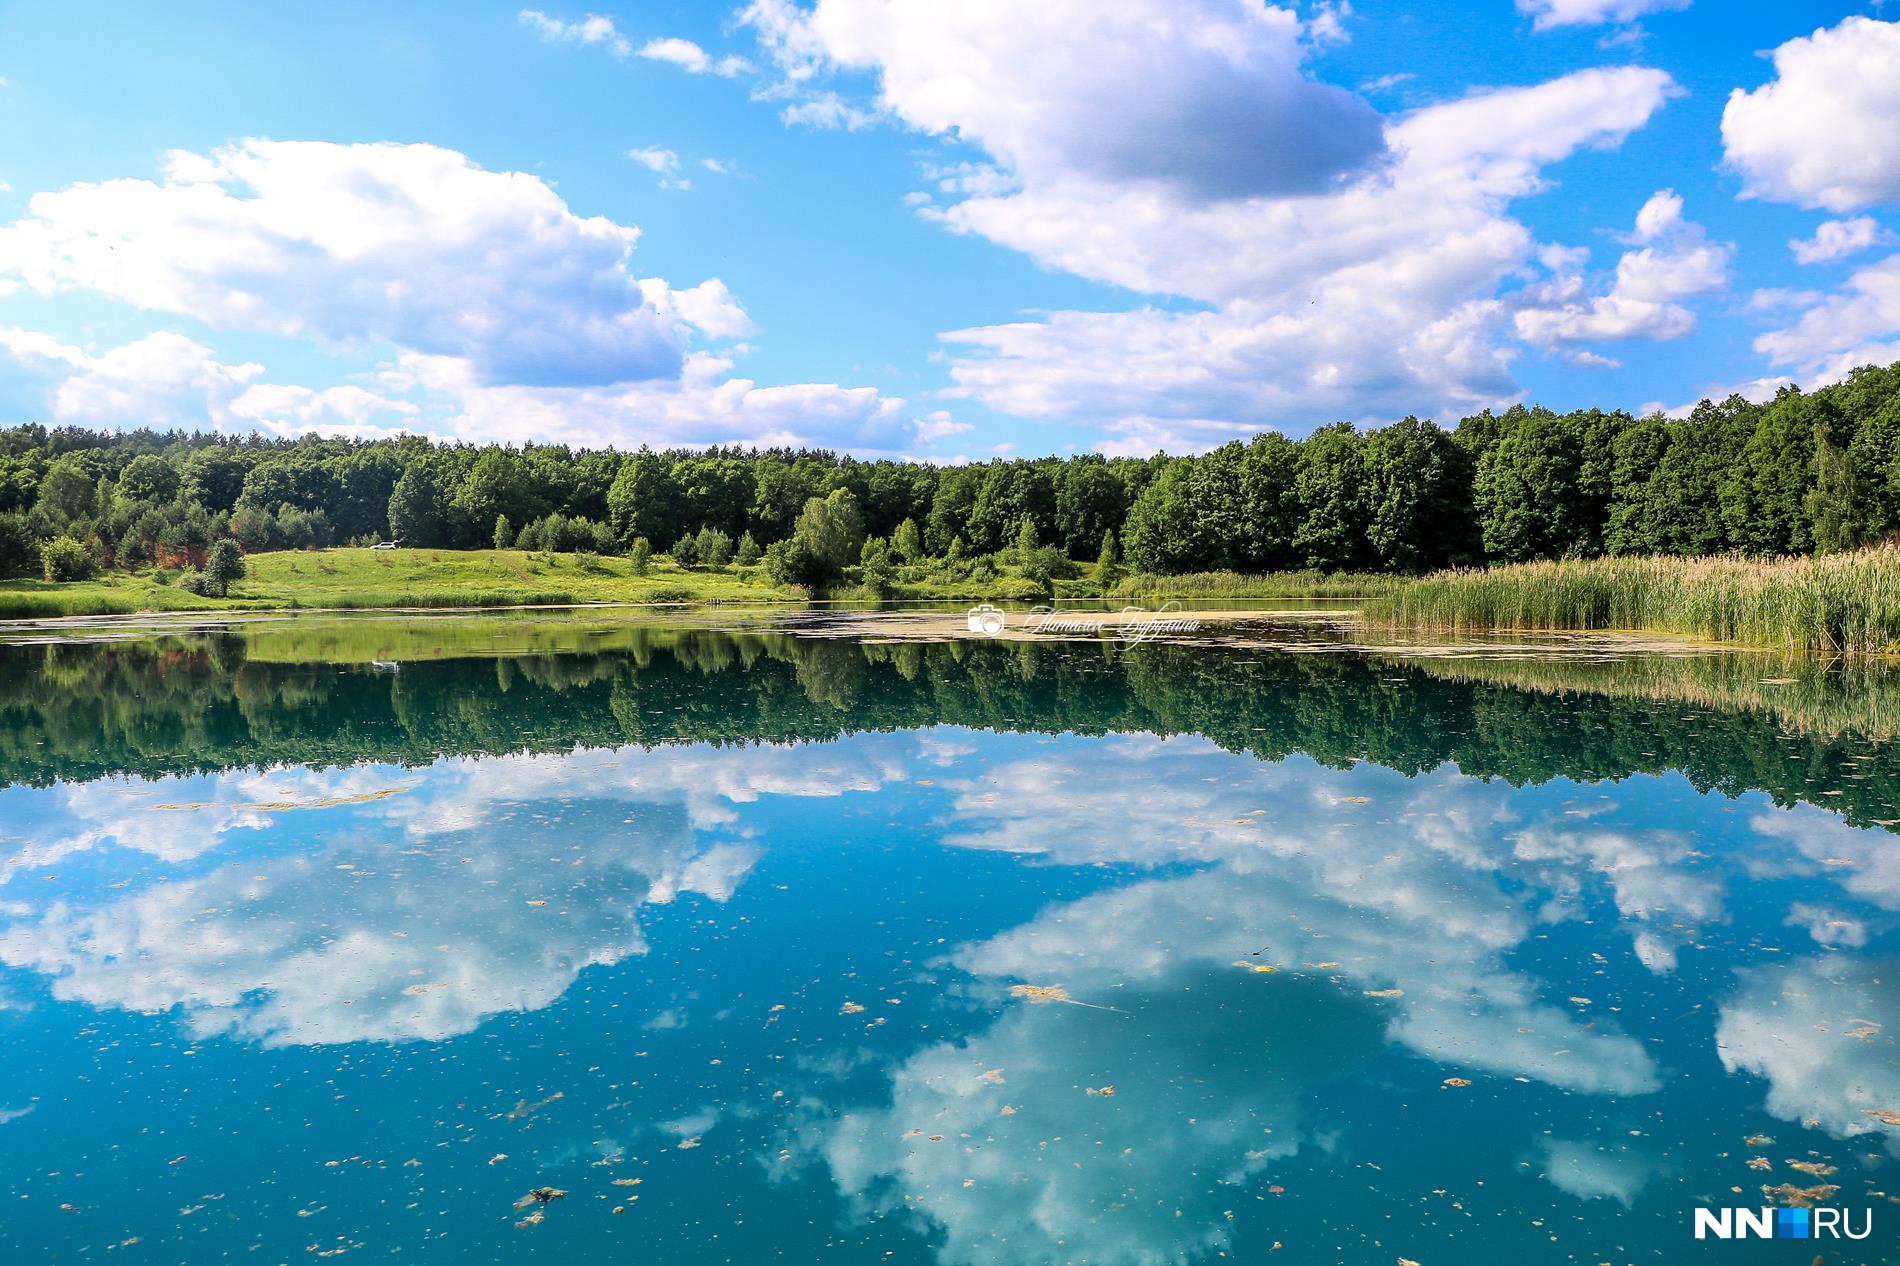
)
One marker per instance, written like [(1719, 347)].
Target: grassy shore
[(358, 578), (1843, 603)]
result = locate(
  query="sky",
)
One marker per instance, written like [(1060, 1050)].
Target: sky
[(935, 231)]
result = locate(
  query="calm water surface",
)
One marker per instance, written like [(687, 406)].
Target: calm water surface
[(341, 940)]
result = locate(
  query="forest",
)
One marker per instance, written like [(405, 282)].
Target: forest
[(1807, 472)]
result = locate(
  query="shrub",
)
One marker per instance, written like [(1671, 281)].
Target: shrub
[(639, 554), (63, 559), (195, 581), (685, 551)]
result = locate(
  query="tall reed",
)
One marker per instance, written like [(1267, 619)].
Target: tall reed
[(1846, 603)]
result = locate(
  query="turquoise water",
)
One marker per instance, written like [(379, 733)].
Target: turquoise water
[(767, 949)]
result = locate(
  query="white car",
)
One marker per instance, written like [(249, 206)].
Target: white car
[(384, 545)]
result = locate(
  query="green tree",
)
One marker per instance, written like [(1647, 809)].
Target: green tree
[(1838, 503), (1026, 539), (878, 574), (1334, 495), (713, 546), (19, 549), (949, 516), (748, 552), (645, 499), (1419, 489), (504, 532), (1764, 494), (1090, 500), (224, 566), (69, 490), (639, 555), (213, 478), (1107, 562), (907, 542), (685, 551), (416, 506), (148, 477)]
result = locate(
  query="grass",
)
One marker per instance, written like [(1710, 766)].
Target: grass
[(114, 594), (361, 578), (1842, 603)]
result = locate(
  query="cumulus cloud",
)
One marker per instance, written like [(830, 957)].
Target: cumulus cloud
[(1546, 14), (163, 379), (1672, 260), (1836, 332), (409, 245), (1837, 239), (1814, 133), (476, 291), (1375, 300), (1207, 97), (1154, 148)]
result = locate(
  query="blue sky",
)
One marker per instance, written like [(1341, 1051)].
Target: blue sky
[(938, 231)]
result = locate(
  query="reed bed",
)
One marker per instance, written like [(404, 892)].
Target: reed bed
[(1841, 603)]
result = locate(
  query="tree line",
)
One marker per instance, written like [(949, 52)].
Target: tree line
[(1804, 472)]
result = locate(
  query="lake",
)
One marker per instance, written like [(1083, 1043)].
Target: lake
[(342, 939)]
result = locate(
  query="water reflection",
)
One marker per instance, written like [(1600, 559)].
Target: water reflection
[(990, 955)]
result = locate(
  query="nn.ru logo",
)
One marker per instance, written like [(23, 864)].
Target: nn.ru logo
[(1781, 1224)]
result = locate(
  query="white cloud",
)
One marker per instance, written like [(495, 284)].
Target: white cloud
[(163, 379), (663, 163), (593, 29), (409, 245), (1376, 300), (1350, 265), (1674, 260), (1837, 239), (706, 405), (1817, 133), (478, 292), (1555, 13), (1835, 333), (1206, 97), (828, 112), (693, 59)]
